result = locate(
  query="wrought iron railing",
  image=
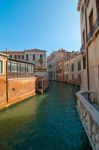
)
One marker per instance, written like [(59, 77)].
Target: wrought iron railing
[(88, 36), (82, 48), (96, 24)]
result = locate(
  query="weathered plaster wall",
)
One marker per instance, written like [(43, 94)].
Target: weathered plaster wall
[(73, 76), (94, 65)]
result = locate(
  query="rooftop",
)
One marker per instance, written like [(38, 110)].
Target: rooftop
[(1, 54), (34, 50), (29, 50)]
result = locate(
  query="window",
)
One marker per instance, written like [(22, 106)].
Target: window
[(15, 56), (22, 56), (32, 70), (18, 56), (84, 62), (97, 5), (50, 66), (41, 56), (72, 67), (84, 38), (91, 22), (72, 77), (22, 69), (29, 69), (26, 56), (1, 66), (14, 67), (33, 56), (79, 65)]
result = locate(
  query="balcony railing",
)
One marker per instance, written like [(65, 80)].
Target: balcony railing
[(82, 48), (96, 24), (88, 36)]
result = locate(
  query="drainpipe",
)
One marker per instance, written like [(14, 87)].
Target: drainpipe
[(87, 54), (7, 80)]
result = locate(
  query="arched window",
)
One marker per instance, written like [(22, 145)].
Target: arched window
[(27, 57), (33, 56), (1, 66), (18, 56), (15, 56), (41, 56)]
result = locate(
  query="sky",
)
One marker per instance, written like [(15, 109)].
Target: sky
[(42, 24)]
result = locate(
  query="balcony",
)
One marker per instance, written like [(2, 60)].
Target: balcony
[(89, 114), (88, 37), (96, 24), (82, 48), (93, 31)]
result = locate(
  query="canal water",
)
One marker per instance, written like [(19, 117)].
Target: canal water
[(44, 122)]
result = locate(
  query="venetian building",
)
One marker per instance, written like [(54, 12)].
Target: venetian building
[(36, 56), (89, 21)]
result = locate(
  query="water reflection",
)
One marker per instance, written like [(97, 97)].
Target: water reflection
[(44, 122)]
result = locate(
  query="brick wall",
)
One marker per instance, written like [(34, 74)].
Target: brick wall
[(21, 88), (2, 91), (17, 88), (3, 83)]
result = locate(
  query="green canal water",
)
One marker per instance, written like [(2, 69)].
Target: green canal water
[(44, 122)]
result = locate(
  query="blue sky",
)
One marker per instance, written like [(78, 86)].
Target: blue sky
[(42, 24)]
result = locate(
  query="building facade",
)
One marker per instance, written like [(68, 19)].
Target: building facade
[(55, 62), (73, 70), (88, 97), (37, 57), (60, 71), (52, 62), (89, 18), (17, 80)]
